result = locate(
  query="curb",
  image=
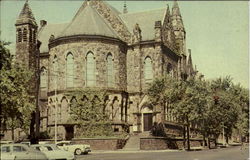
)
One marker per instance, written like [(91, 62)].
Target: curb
[(133, 151)]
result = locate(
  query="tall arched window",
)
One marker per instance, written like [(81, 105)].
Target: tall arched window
[(110, 70), (25, 35), (70, 70), (90, 69), (43, 79), (55, 73), (148, 70)]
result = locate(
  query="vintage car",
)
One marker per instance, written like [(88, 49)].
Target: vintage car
[(53, 152), (74, 148), (21, 151)]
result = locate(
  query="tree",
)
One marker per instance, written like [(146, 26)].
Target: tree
[(227, 101), (88, 111), (16, 102)]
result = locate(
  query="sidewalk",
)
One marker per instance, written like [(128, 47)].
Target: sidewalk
[(131, 151)]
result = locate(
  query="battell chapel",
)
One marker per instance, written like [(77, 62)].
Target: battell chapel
[(103, 48)]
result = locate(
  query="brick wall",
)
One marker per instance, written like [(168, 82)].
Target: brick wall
[(102, 144), (160, 143)]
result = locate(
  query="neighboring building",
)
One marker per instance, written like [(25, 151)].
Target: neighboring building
[(103, 48)]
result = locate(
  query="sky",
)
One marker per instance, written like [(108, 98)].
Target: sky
[(217, 32)]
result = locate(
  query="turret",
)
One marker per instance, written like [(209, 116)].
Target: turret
[(178, 29), (26, 37)]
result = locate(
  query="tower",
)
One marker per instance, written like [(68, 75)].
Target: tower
[(178, 28), (26, 37)]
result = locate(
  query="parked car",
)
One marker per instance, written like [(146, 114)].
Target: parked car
[(7, 156), (21, 151), (74, 148), (53, 152), (6, 142)]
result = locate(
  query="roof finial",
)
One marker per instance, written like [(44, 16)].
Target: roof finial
[(125, 10)]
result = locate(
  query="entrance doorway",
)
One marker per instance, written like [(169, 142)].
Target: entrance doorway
[(147, 121), (69, 132)]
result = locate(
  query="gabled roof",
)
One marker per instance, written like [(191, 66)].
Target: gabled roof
[(88, 22), (146, 21), (45, 33)]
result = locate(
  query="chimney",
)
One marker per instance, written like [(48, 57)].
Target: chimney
[(43, 23)]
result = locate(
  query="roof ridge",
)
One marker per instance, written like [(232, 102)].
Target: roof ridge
[(155, 9)]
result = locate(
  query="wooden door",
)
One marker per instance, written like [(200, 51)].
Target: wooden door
[(147, 121)]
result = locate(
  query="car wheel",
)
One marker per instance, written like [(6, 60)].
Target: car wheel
[(78, 151)]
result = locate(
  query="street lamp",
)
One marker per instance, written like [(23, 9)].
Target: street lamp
[(55, 71)]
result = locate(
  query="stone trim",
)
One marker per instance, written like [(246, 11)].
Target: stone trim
[(61, 40)]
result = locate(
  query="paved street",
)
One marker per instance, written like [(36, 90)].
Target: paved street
[(233, 153)]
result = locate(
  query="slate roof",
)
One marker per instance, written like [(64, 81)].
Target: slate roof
[(88, 22), (146, 21), (26, 15), (45, 33)]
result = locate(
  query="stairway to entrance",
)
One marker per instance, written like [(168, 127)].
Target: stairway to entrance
[(133, 142)]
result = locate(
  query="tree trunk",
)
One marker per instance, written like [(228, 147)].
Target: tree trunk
[(184, 136), (32, 128), (204, 139), (12, 130), (188, 135), (208, 142)]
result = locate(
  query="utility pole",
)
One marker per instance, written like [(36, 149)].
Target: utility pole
[(56, 72), (37, 114)]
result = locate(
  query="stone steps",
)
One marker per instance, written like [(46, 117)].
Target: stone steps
[(133, 142)]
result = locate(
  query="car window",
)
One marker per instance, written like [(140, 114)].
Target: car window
[(5, 149), (49, 148), (38, 148), (18, 149), (60, 144)]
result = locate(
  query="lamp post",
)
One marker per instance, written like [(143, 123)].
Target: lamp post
[(55, 71)]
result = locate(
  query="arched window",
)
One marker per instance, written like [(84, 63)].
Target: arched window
[(19, 35), (25, 35), (43, 78), (148, 70), (110, 71), (90, 69), (70, 70), (55, 73)]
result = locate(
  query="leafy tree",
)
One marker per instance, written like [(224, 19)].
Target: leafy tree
[(16, 106), (226, 105), (88, 110)]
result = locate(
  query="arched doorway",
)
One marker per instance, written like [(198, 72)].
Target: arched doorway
[(147, 118)]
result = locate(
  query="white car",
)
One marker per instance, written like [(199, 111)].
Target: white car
[(77, 149), (7, 156), (21, 152), (53, 152)]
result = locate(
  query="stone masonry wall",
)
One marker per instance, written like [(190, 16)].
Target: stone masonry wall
[(79, 49)]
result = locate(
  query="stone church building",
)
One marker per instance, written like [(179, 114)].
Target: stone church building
[(104, 48)]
